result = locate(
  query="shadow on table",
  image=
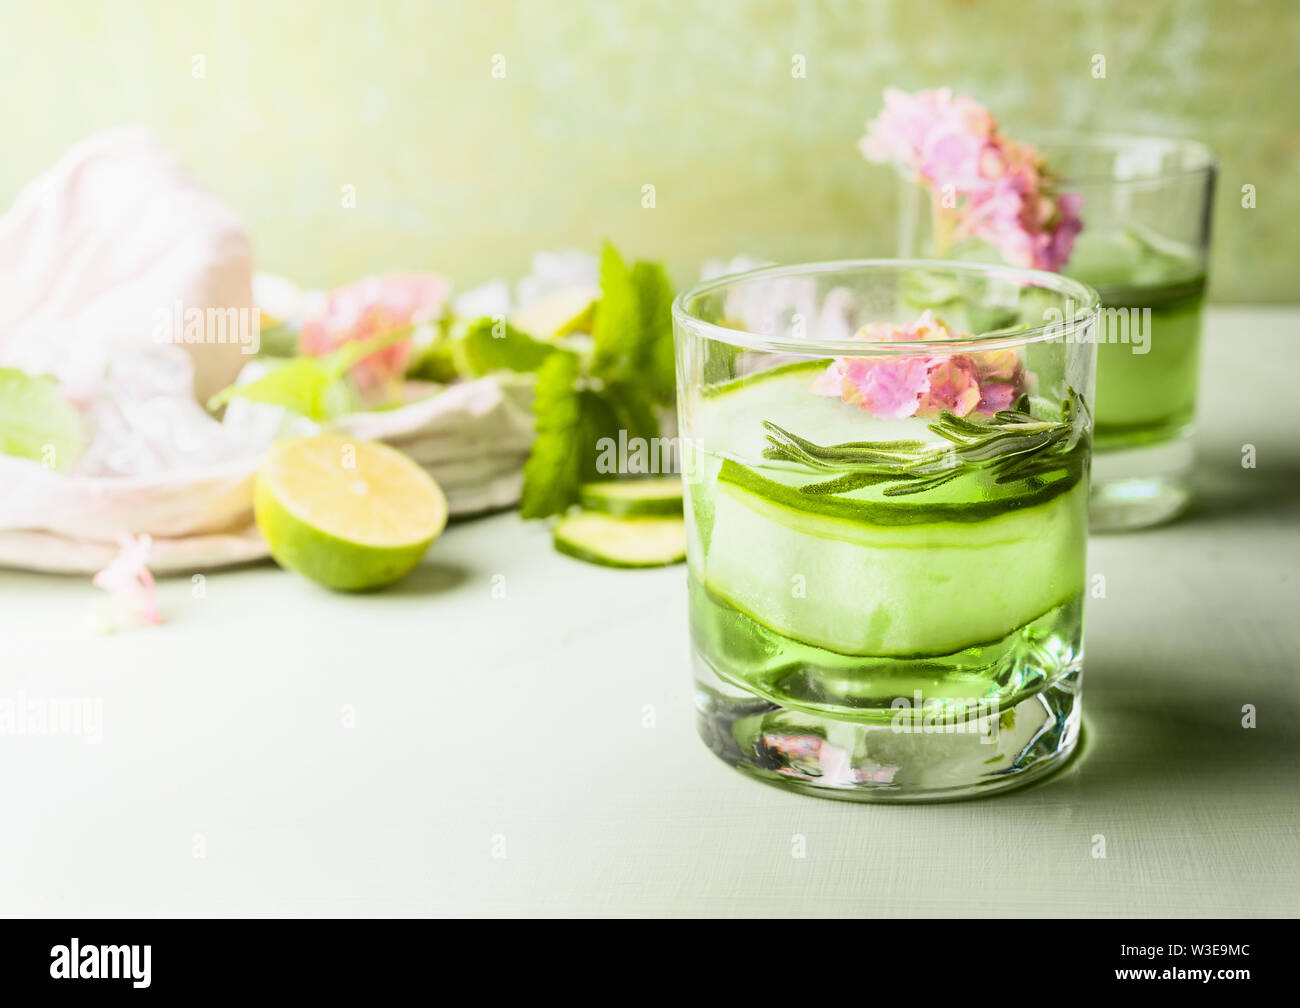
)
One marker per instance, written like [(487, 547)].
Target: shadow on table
[(1223, 489), (1146, 733), (429, 579)]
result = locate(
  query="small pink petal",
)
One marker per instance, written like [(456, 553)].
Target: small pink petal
[(128, 581)]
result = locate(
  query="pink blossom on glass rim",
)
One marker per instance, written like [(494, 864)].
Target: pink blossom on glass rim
[(128, 581), (1001, 191), (372, 307)]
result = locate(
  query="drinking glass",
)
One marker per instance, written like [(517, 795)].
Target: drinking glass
[(1145, 243), (887, 517)]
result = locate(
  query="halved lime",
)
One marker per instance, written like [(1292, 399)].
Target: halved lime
[(348, 514)]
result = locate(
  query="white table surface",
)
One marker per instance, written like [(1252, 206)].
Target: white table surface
[(277, 749)]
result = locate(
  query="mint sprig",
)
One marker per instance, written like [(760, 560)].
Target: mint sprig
[(633, 331), (1012, 445), (570, 420), (621, 385)]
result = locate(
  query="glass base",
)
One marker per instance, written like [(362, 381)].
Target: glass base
[(1140, 486), (936, 758)]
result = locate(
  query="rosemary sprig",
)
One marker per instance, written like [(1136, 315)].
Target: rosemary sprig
[(1012, 444)]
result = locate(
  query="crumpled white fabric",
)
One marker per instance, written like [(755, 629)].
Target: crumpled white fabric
[(89, 252), (96, 246)]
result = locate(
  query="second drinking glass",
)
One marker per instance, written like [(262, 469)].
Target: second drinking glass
[(1144, 203)]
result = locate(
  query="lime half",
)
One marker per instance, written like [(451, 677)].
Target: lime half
[(348, 514)]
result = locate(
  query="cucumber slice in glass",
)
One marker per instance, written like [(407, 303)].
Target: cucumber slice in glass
[(933, 583)]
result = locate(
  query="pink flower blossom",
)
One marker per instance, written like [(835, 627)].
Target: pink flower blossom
[(893, 387), (1002, 190), (997, 396), (951, 385), (372, 307), (999, 365), (885, 386), (1001, 377), (128, 581)]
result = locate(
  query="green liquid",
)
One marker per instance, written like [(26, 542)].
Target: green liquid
[(815, 680), (1151, 332), (842, 605)]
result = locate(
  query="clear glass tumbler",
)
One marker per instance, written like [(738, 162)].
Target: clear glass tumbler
[(1145, 243), (886, 468)]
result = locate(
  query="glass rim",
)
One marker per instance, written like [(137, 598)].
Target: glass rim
[(1087, 299), (1202, 161)]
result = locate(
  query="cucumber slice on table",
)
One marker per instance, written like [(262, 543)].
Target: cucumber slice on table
[(621, 542), (655, 496)]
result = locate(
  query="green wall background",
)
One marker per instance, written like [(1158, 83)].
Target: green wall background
[(457, 171)]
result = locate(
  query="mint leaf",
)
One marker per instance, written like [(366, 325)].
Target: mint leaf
[(37, 423), (495, 345), (653, 347), (633, 332), (570, 421), (618, 319), (634, 410)]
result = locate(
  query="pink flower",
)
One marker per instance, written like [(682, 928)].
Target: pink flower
[(999, 366), (128, 581), (885, 386), (831, 381), (1001, 377), (952, 385), (1002, 191), (1067, 228), (902, 126), (997, 396), (372, 307), (922, 385)]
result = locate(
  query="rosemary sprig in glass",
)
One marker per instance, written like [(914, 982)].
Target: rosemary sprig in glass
[(1012, 444)]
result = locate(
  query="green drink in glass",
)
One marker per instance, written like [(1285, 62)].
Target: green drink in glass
[(1144, 205), (1144, 246), (887, 516)]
